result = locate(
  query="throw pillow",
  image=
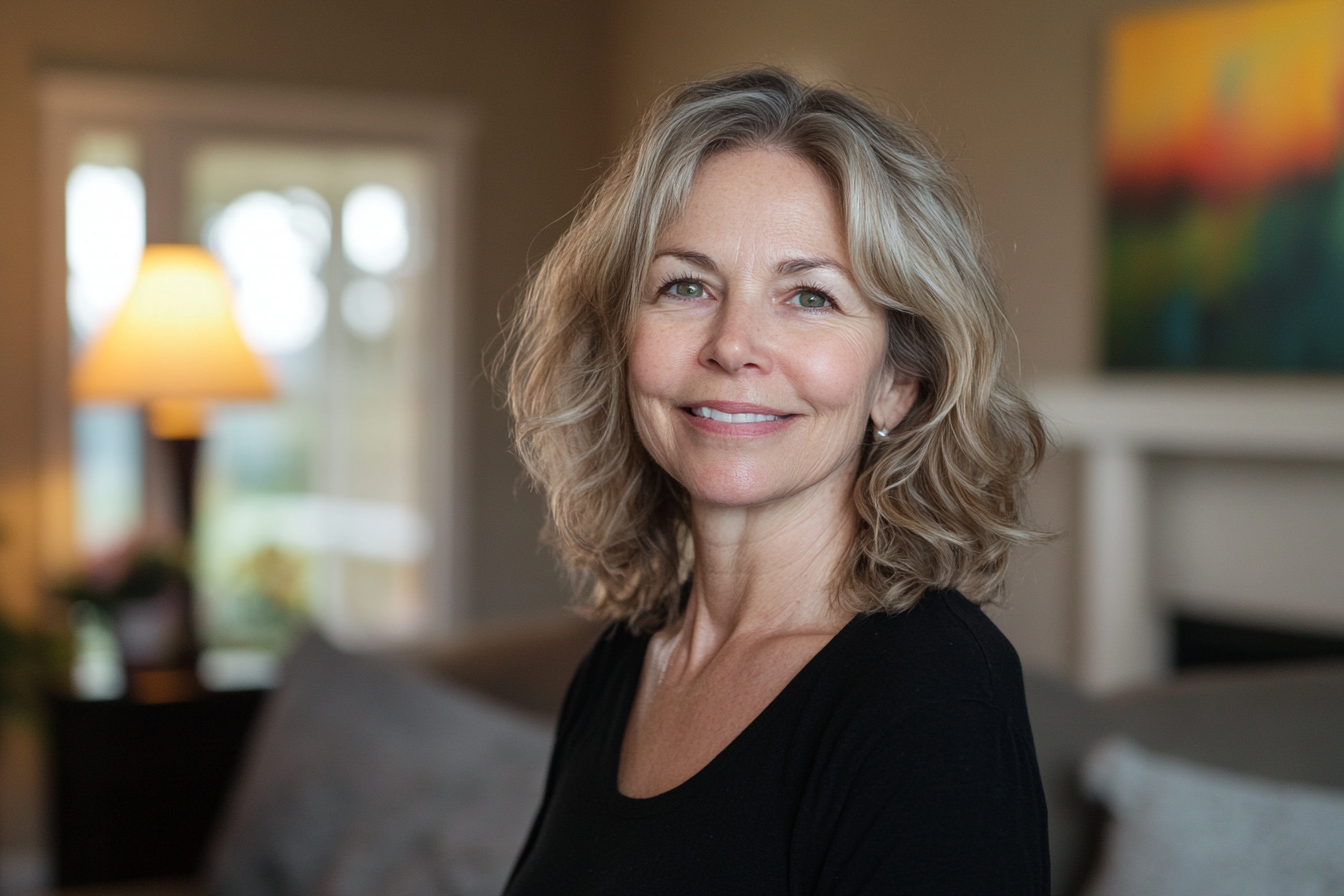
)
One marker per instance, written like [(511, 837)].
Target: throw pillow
[(1183, 829), (368, 779)]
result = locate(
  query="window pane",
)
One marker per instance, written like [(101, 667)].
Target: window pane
[(109, 485), (310, 506), (105, 237)]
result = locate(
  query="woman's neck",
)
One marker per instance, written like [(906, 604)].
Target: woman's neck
[(768, 570)]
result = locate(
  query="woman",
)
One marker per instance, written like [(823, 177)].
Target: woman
[(759, 381)]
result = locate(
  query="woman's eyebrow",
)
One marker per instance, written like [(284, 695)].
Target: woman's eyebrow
[(786, 267), (698, 259), (799, 265)]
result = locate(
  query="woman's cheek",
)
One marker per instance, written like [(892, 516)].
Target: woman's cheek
[(832, 376), (655, 353), (650, 380)]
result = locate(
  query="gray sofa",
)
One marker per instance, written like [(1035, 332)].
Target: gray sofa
[(357, 727), (1282, 723)]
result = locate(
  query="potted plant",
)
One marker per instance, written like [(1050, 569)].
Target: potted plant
[(143, 592)]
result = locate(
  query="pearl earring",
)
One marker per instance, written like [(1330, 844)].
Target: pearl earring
[(881, 433)]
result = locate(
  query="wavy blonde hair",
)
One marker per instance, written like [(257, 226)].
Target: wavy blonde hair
[(939, 500)]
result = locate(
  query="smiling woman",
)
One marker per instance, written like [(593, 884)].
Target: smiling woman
[(759, 380), (752, 329)]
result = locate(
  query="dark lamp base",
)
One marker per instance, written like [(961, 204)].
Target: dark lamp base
[(162, 685)]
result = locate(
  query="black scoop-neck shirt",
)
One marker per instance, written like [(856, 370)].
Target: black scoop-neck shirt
[(899, 760)]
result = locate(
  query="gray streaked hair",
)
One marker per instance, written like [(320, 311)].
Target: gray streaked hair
[(939, 501)]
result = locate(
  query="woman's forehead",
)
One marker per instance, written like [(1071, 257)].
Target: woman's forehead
[(763, 201)]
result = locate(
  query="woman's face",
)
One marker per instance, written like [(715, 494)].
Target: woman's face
[(756, 364)]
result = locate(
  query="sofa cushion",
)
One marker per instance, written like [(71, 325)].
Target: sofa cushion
[(1280, 722), (1183, 829), (366, 778)]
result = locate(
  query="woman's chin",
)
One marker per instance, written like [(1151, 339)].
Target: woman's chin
[(743, 488)]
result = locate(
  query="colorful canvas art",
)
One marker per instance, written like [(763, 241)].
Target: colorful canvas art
[(1223, 139)]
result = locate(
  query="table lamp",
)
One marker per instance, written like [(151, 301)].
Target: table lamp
[(173, 347)]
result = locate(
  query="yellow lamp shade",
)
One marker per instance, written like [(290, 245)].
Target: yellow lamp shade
[(174, 340)]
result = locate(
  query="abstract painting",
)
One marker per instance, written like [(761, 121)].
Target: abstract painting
[(1222, 142)]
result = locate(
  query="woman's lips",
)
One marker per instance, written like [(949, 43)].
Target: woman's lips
[(725, 417), (735, 418)]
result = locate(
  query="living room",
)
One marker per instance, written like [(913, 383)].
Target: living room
[(1211, 499)]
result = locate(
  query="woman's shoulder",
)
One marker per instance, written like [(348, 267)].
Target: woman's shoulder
[(604, 671), (943, 649), (616, 647), (930, 751)]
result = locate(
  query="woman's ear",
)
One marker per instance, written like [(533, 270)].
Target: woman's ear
[(894, 400)]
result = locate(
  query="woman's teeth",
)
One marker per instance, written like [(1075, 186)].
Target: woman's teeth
[(732, 418)]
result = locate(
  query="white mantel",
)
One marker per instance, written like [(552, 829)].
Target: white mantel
[(1118, 425)]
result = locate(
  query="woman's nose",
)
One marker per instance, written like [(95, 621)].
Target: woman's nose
[(740, 336)]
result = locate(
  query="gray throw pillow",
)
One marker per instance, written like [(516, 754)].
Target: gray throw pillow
[(368, 779), (1183, 829)]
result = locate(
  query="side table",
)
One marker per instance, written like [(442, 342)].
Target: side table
[(136, 789)]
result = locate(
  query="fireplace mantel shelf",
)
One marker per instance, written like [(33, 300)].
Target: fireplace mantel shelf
[(1271, 418), (1117, 424)]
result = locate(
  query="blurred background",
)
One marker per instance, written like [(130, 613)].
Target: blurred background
[(376, 179)]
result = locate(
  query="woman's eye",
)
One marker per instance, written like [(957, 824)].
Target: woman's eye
[(806, 298), (687, 289)]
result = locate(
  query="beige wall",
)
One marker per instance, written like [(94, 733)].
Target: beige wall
[(528, 69)]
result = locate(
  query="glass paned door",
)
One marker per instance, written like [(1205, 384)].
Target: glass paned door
[(311, 504), (336, 216)]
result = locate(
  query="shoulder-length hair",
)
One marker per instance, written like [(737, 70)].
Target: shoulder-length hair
[(939, 500)]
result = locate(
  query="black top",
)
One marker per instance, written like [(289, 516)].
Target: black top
[(899, 760)]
